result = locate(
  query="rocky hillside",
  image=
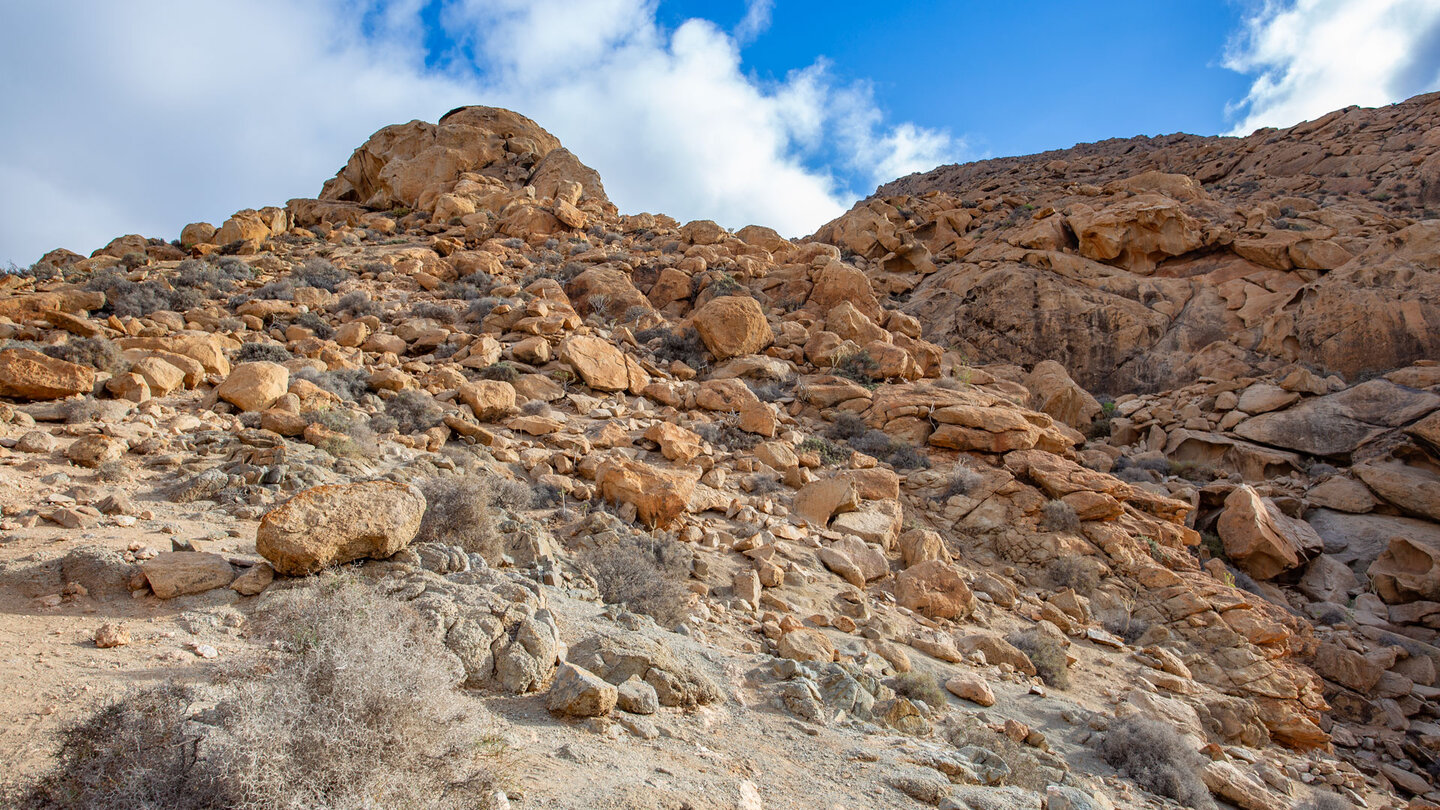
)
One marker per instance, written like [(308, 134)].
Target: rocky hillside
[(1146, 263), (455, 487)]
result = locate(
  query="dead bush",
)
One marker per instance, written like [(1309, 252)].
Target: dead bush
[(260, 350), (1325, 801), (1157, 758), (643, 574), (921, 686), (963, 729), (1059, 516), (462, 512), (355, 706), (96, 352), (1046, 653), (1075, 573), (962, 482), (412, 411), (321, 274)]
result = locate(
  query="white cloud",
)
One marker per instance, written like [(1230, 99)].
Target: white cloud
[(755, 21), (141, 117), (1313, 56)]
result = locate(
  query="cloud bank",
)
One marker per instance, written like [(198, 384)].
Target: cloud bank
[(1314, 56), (141, 117)]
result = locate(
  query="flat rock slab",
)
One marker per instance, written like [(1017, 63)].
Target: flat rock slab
[(177, 573)]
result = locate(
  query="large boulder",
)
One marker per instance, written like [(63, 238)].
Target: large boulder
[(330, 525), (1357, 540), (1136, 233), (1053, 392), (1260, 538), (733, 325), (490, 400), (1408, 570), (255, 386), (1336, 424), (659, 494), (597, 361), (934, 589), (417, 163), (819, 500), (579, 692), (28, 374), (1414, 487)]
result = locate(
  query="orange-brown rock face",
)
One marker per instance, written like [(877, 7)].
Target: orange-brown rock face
[(417, 165), (1145, 263)]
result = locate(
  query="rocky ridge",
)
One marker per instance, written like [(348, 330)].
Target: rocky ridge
[(1159, 260), (848, 505)]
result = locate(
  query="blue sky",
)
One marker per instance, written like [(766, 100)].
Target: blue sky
[(1014, 78), (778, 112)]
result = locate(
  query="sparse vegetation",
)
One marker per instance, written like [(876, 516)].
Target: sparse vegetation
[(962, 481), (433, 311), (503, 371), (354, 706), (263, 351), (1046, 653), (96, 352), (858, 366), (726, 433), (644, 574), (830, 453), (1059, 516), (321, 274), (1075, 573), (463, 511), (137, 299), (1158, 759), (412, 411), (685, 346), (921, 686)]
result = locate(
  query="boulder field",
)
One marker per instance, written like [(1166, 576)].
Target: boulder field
[(926, 506)]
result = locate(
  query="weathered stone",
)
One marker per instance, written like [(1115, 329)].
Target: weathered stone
[(334, 524), (934, 589), (578, 692), (177, 573), (28, 374)]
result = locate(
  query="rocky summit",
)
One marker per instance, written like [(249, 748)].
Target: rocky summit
[(1100, 478)]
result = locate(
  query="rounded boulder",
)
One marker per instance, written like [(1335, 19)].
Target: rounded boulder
[(335, 524)]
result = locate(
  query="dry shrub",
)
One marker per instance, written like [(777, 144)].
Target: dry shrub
[(412, 411), (1075, 573), (643, 574), (921, 686), (1158, 759), (1325, 801), (1046, 653), (962, 482), (96, 352), (462, 512), (355, 706), (263, 351), (1059, 516), (964, 729)]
